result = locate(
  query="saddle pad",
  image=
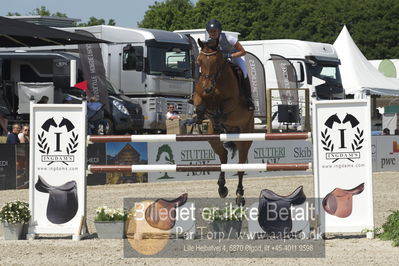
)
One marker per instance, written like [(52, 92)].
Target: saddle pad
[(63, 203)]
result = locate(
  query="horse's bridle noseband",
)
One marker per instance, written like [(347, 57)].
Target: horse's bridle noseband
[(213, 78)]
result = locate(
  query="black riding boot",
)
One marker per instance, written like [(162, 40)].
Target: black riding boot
[(248, 94), (191, 100)]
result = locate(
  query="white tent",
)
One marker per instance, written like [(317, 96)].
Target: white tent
[(358, 75)]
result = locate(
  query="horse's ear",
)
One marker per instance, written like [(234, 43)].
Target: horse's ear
[(201, 44)]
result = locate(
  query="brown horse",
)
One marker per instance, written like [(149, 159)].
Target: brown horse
[(217, 98)]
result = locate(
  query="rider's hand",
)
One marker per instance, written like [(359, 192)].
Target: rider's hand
[(227, 56)]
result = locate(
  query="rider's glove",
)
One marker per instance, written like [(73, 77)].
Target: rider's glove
[(227, 56)]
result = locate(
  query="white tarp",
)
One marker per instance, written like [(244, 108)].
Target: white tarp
[(37, 90), (359, 75)]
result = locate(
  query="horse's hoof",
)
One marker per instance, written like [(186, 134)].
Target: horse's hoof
[(240, 201), (223, 191)]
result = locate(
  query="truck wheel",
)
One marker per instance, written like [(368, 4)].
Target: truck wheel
[(109, 128)]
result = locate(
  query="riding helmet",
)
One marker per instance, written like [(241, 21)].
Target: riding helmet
[(213, 24)]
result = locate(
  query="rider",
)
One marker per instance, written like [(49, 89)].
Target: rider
[(232, 50)]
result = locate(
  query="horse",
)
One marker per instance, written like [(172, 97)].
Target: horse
[(217, 97)]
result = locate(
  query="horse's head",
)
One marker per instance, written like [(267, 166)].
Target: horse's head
[(210, 61)]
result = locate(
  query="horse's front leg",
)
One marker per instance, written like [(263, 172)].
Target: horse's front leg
[(243, 148), (217, 146)]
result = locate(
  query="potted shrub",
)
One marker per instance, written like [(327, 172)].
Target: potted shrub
[(14, 215), (110, 223), (224, 222)]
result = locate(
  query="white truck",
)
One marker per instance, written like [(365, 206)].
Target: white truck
[(151, 67)]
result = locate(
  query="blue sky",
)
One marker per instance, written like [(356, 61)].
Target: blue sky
[(126, 13)]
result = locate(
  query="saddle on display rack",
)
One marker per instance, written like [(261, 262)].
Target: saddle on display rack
[(159, 207), (62, 202), (272, 206), (339, 201)]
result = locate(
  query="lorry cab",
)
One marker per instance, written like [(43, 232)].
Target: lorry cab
[(152, 67), (316, 64)]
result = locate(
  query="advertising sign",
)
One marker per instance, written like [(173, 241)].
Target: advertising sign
[(57, 187), (200, 152), (386, 153), (343, 165), (96, 154), (256, 74), (7, 166)]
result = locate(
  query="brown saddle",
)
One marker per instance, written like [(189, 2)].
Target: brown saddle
[(339, 201), (161, 213)]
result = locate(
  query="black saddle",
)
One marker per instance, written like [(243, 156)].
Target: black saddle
[(275, 211), (63, 200)]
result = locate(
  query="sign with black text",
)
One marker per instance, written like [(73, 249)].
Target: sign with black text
[(57, 188), (343, 165)]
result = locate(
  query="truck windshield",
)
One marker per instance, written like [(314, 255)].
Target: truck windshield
[(328, 73), (332, 87), (169, 61)]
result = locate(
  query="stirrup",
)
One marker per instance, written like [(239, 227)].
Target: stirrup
[(250, 105)]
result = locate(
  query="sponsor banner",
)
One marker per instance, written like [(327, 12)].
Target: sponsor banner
[(286, 78), (200, 152), (374, 158), (126, 153), (57, 188), (387, 153), (7, 166), (94, 72), (256, 74), (22, 166), (96, 155), (343, 164)]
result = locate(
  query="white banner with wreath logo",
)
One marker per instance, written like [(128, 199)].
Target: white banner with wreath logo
[(343, 165), (57, 187)]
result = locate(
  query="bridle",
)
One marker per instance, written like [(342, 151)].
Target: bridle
[(213, 78)]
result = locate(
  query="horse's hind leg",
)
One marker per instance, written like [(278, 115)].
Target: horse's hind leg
[(243, 148), (217, 146)]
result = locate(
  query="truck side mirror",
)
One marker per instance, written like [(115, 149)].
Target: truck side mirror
[(139, 52), (300, 73)]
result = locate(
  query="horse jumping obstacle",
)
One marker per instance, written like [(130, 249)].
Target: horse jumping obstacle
[(197, 168), (209, 137)]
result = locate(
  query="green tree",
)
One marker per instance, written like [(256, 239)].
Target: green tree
[(13, 14), (95, 21), (169, 15), (43, 11), (372, 23)]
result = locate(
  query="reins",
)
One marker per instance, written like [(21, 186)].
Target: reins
[(215, 75)]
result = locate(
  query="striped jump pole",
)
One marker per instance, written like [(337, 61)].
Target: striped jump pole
[(200, 168), (206, 137)]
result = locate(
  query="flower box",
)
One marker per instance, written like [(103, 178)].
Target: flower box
[(15, 215), (110, 223), (110, 229)]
